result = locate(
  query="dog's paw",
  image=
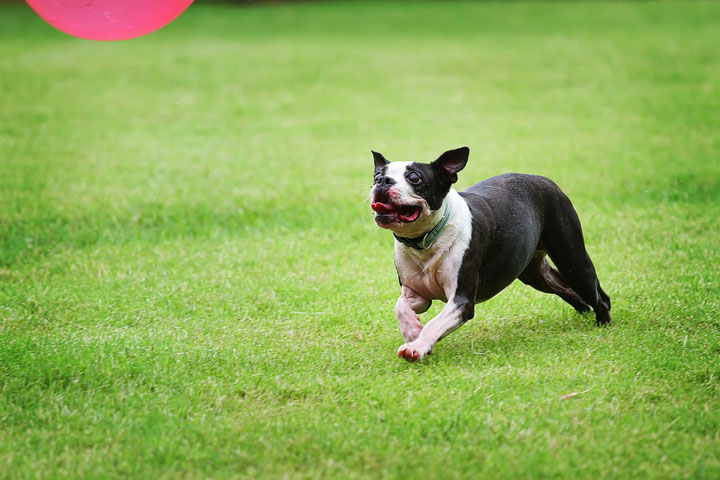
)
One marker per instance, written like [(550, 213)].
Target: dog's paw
[(413, 351)]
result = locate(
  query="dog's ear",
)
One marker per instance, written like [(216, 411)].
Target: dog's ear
[(452, 162), (380, 160)]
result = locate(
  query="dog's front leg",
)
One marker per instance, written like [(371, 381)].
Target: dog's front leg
[(408, 305), (457, 311)]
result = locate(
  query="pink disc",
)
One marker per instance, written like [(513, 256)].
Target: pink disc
[(108, 19)]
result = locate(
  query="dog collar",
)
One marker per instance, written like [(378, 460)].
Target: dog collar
[(421, 243)]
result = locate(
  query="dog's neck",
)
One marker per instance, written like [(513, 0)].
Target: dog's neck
[(439, 219)]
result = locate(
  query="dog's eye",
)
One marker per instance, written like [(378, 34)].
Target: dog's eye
[(377, 177), (413, 178)]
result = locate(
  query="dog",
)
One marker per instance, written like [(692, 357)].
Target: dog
[(465, 247)]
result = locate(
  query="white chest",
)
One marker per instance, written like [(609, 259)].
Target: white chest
[(434, 277), (433, 273)]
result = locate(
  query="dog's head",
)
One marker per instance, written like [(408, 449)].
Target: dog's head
[(407, 195)]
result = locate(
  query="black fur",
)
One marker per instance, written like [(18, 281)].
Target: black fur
[(517, 219)]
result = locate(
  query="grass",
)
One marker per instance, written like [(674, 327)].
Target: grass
[(191, 284)]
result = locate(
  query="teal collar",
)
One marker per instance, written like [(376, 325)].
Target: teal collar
[(425, 241)]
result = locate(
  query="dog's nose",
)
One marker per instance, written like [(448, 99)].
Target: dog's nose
[(384, 181)]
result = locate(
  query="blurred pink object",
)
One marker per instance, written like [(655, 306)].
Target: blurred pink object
[(109, 19)]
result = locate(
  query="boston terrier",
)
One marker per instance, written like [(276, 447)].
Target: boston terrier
[(464, 248)]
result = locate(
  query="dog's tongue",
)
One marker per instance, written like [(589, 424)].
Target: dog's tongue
[(410, 218), (382, 208)]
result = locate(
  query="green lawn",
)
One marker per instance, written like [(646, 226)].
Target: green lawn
[(192, 286)]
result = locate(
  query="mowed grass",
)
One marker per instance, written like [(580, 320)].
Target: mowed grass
[(192, 286)]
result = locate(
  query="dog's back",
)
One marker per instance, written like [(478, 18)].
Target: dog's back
[(510, 189), (521, 205)]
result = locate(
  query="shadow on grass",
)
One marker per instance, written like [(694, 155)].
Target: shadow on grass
[(505, 339)]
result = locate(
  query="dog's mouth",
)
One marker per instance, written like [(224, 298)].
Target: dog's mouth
[(387, 213)]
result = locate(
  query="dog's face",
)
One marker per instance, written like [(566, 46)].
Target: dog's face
[(407, 194)]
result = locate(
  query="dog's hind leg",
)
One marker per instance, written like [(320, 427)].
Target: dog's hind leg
[(540, 275), (578, 270), (563, 240)]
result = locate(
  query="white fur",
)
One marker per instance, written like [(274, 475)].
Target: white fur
[(396, 170), (432, 274), (449, 319)]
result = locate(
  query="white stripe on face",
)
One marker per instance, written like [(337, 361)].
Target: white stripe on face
[(401, 192), (396, 170)]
